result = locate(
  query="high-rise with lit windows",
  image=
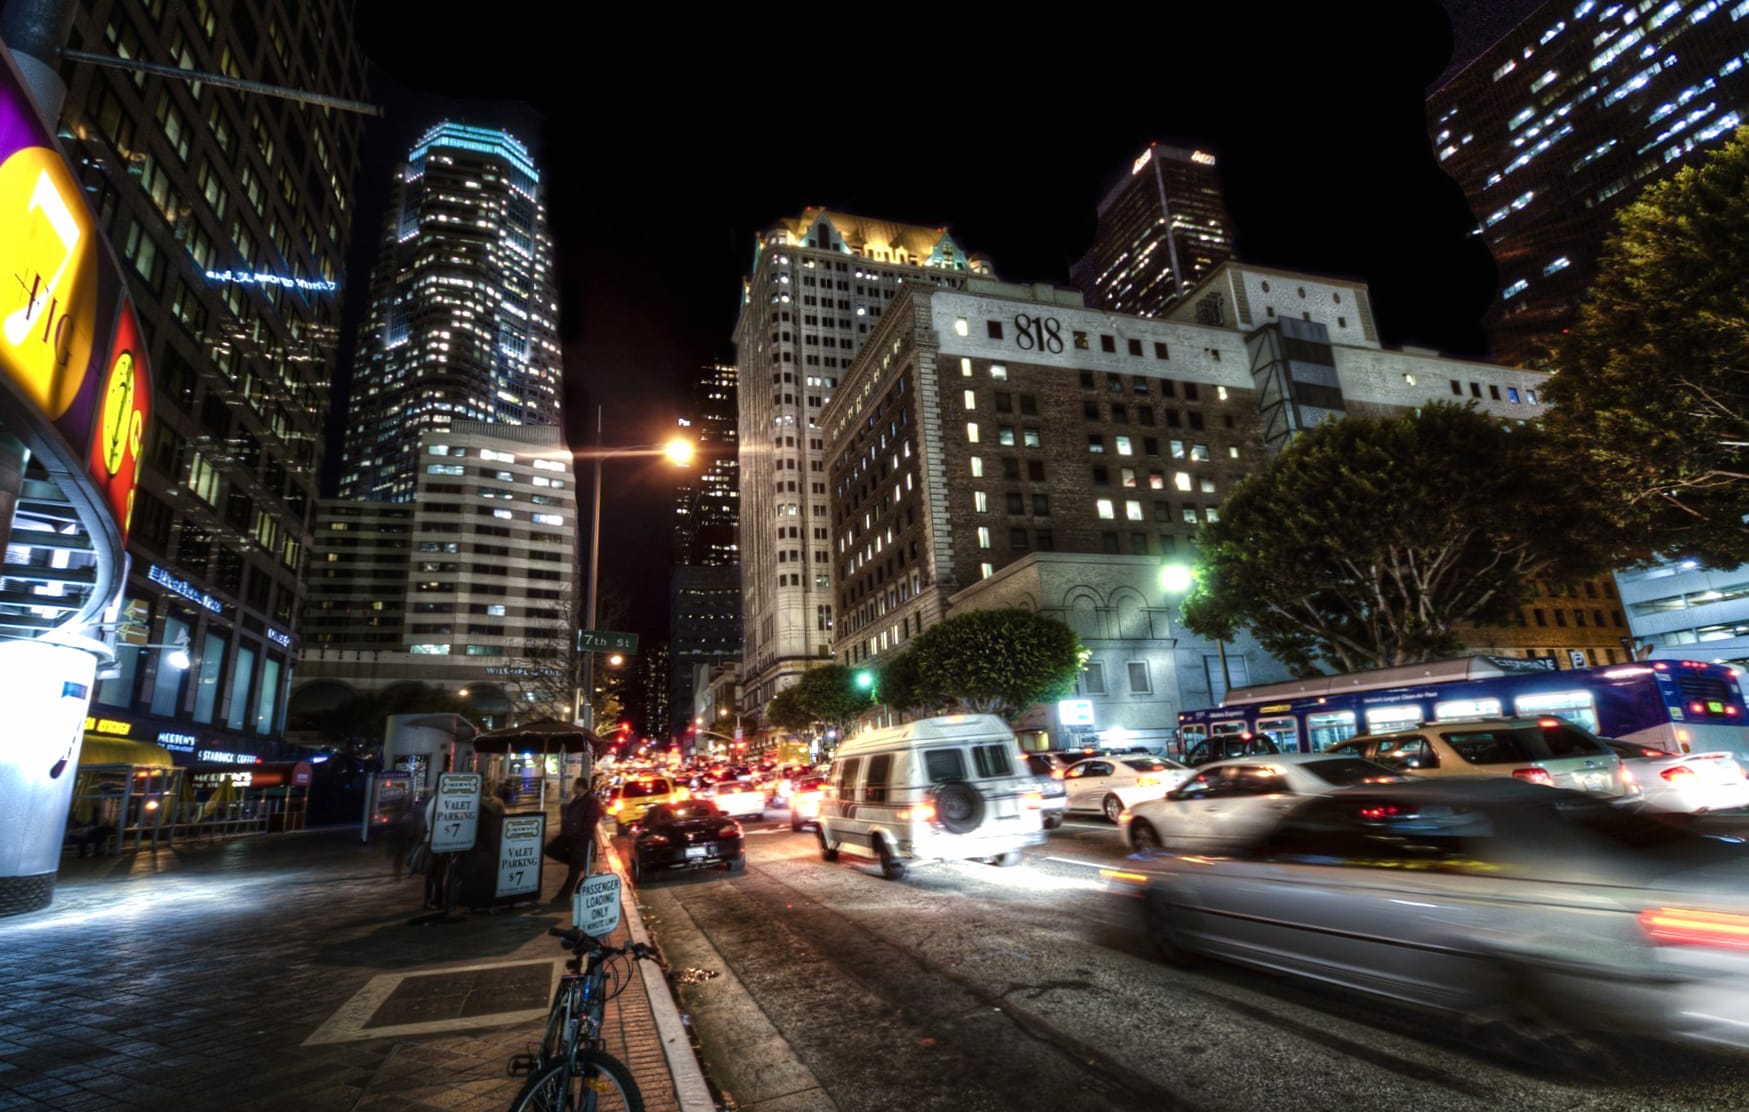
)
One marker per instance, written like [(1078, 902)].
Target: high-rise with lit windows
[(231, 212), (1161, 229), (463, 319), (1564, 121), (705, 593), (820, 282)]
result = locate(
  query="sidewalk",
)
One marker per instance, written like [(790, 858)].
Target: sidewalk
[(281, 972)]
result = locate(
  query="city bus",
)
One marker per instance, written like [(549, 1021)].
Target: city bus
[(1681, 706)]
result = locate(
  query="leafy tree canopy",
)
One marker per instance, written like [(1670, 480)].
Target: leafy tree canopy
[(786, 711), (1366, 543), (830, 694), (985, 661), (1651, 395)]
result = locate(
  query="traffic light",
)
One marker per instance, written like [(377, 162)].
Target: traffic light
[(865, 680)]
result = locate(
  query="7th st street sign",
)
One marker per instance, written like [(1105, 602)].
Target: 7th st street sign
[(606, 641)]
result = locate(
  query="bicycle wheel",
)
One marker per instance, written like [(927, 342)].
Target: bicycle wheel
[(599, 1083)]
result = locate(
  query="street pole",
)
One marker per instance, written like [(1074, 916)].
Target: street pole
[(594, 571)]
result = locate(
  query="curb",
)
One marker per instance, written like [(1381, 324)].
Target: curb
[(689, 1083)]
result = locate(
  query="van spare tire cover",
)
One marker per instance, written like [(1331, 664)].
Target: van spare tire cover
[(959, 807)]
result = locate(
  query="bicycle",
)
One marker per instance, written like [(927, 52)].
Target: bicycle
[(572, 1071)]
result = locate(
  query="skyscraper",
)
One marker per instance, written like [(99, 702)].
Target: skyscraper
[(1550, 133), (232, 211), (1564, 121), (463, 319), (1161, 229), (705, 595), (820, 282)]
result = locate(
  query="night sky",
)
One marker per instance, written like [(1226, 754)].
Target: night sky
[(668, 141)]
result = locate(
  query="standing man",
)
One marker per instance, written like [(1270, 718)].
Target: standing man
[(577, 834)]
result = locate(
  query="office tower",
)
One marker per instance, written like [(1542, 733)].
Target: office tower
[(706, 505), (463, 318), (705, 594), (1161, 229), (1563, 121), (231, 211), (1550, 133), (820, 283), (471, 582)]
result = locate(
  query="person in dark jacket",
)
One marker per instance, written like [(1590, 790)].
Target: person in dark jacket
[(577, 835)]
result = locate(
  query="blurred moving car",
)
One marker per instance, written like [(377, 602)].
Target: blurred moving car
[(1107, 785), (1048, 775), (689, 835), (1539, 914), (632, 798), (1690, 783), (1548, 751), (804, 802), (736, 797), (1229, 803)]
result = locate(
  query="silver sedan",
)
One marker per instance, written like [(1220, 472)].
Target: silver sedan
[(1230, 802), (1538, 914)]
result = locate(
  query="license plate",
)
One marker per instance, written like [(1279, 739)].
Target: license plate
[(1596, 783), (697, 851)]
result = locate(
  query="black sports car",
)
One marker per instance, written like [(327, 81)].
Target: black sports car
[(690, 835)]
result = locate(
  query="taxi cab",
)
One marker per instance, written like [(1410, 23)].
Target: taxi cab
[(631, 799)]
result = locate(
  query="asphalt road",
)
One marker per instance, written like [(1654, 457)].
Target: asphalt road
[(966, 987)]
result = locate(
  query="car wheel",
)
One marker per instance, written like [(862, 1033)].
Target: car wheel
[(1008, 860), (891, 867), (1518, 1024), (795, 827), (1144, 839), (1165, 931), (828, 852), (738, 865), (1113, 807), (1053, 821)]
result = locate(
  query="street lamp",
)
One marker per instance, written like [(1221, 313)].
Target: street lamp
[(679, 452), (1176, 579)]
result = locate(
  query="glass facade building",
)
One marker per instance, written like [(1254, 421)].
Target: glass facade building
[(463, 317), (231, 213), (1162, 229), (1564, 121)]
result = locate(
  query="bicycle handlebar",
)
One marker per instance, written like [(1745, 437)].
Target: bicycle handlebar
[(578, 942)]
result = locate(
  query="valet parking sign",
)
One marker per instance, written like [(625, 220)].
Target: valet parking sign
[(457, 820), (519, 855)]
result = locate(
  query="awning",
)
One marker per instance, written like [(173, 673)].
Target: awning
[(99, 749)]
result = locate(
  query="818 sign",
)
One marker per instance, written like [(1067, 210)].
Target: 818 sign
[(1038, 333)]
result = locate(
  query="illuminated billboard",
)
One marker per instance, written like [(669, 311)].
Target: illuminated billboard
[(70, 344)]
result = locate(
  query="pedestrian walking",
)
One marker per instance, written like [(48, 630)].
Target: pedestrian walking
[(576, 839)]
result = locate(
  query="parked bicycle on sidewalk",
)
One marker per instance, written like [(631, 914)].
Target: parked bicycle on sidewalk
[(572, 1071)]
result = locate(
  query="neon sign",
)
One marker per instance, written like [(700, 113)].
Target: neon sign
[(184, 588), (278, 638), (262, 278)]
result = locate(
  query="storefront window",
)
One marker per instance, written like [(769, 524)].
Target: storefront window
[(240, 677), (212, 660), (268, 700), (118, 691), (171, 682)]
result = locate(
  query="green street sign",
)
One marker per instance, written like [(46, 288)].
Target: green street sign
[(606, 641)]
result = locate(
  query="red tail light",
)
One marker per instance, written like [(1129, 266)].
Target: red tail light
[(1056, 774), (1374, 814), (1674, 926), (729, 830), (1534, 776), (1678, 773), (657, 840)]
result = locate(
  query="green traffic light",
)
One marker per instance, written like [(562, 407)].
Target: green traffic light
[(865, 680)]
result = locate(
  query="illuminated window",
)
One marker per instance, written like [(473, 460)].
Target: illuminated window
[(971, 399), (1181, 480), (1132, 511), (961, 328), (972, 432), (977, 467), (1107, 512), (983, 536), (980, 502), (1123, 446)]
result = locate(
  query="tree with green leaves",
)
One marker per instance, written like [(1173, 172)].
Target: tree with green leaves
[(987, 662), (1368, 543), (787, 713), (1651, 392)]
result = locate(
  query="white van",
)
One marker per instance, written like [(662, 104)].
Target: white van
[(936, 789)]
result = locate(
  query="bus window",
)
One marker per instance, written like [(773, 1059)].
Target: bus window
[(1219, 728), (1189, 737), (1285, 732), (1330, 727), (1383, 720), (1577, 707), (1466, 708)]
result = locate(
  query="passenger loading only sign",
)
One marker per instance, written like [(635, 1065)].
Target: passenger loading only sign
[(595, 908), (519, 849)]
